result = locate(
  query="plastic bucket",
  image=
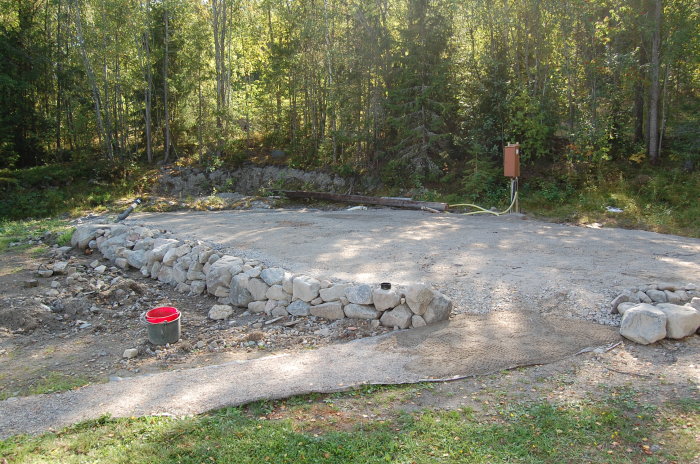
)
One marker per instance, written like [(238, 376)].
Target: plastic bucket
[(163, 332), (162, 314)]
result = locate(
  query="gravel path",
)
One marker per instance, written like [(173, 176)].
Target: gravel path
[(465, 346), (483, 263)]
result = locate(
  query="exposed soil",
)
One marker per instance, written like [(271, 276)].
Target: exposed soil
[(78, 331)]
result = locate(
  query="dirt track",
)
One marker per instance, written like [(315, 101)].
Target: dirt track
[(483, 262), (460, 347)]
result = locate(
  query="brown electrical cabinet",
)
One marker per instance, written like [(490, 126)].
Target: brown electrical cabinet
[(511, 160)]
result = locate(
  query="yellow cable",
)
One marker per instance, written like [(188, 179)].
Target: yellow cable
[(484, 210)]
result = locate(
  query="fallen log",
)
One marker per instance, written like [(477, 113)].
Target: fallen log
[(381, 201)]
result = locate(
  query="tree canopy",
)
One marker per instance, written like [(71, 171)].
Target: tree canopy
[(408, 85)]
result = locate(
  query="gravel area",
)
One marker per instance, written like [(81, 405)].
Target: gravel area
[(484, 263)]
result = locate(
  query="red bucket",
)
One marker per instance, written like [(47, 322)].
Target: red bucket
[(162, 314)]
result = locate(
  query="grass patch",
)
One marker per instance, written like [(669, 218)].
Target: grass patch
[(56, 382), (608, 430), (21, 230)]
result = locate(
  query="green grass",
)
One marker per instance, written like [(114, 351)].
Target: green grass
[(56, 382), (21, 230), (609, 430)]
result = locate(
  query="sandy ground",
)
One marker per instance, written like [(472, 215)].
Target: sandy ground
[(483, 263)]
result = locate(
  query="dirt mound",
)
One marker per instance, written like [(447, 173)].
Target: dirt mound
[(25, 318)]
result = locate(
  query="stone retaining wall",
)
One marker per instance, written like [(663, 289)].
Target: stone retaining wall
[(175, 181), (195, 268)]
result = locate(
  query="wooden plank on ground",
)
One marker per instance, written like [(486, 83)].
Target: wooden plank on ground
[(362, 199)]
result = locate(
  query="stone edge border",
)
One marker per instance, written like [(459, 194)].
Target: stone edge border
[(194, 268)]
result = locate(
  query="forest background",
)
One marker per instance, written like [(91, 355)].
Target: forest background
[(602, 95)]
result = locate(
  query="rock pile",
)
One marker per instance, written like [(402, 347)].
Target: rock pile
[(656, 311), (194, 268)]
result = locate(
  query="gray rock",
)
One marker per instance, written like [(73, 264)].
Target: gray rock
[(165, 274), (276, 292), (334, 292), (179, 274), (174, 253), (272, 276), (59, 267), (681, 321), (398, 317), (196, 275), (695, 303), (667, 286), (438, 309), (359, 294), (357, 311), (417, 321), (623, 307), (183, 288), (82, 235), (657, 296), (691, 287), (418, 296), (316, 301), (300, 308), (221, 272), (222, 292), (674, 297), (44, 272), (258, 289), (239, 293), (288, 283), (385, 299), (136, 258), (305, 288), (130, 353), (643, 297), (101, 269), (121, 263), (256, 307), (279, 311), (624, 297), (332, 310), (643, 324), (155, 269), (197, 287), (219, 312)]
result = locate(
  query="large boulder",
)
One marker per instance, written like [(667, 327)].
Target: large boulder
[(681, 321), (418, 296), (385, 299), (438, 309), (398, 317), (643, 324)]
